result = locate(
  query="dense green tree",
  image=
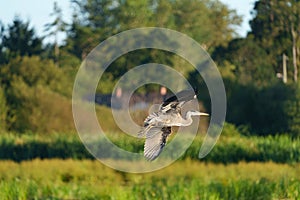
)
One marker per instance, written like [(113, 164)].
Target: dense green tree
[(3, 53), (20, 39), (276, 27), (93, 21), (35, 71), (81, 40), (163, 15), (256, 97), (208, 22), (38, 109), (251, 63), (292, 110), (224, 22), (97, 13), (54, 28), (3, 109), (258, 58), (32, 86), (289, 21), (133, 14)]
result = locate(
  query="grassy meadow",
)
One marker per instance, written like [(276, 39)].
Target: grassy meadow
[(33, 166), (87, 179)]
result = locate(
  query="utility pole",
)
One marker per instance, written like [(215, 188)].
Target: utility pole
[(284, 70), (294, 36)]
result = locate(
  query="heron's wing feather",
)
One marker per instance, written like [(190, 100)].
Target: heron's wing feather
[(149, 119), (184, 95), (176, 102), (169, 106), (148, 123), (156, 139)]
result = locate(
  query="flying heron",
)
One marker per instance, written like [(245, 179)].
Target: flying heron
[(157, 126)]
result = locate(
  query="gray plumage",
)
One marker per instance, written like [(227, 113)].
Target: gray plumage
[(157, 126)]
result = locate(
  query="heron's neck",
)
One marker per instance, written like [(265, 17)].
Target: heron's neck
[(187, 120)]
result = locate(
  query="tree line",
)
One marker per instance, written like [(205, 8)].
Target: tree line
[(36, 76)]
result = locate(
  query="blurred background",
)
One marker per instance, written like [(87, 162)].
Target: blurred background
[(256, 46)]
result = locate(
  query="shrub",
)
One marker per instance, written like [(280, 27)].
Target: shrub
[(280, 149), (38, 109), (292, 111)]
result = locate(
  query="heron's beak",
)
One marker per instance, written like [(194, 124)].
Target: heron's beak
[(204, 114)]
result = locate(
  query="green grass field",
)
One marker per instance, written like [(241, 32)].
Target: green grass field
[(86, 179), (58, 167)]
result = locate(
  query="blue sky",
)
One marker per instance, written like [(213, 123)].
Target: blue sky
[(37, 12), (243, 8)]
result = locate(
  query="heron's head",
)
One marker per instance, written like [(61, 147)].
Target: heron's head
[(196, 113)]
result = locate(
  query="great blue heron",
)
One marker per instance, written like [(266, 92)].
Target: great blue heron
[(157, 126)]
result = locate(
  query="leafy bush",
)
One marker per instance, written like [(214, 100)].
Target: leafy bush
[(265, 111), (292, 111), (36, 94), (230, 130), (38, 109), (35, 71)]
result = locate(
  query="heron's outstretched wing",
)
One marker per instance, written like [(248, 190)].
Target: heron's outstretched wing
[(148, 124), (176, 102), (184, 95), (156, 138)]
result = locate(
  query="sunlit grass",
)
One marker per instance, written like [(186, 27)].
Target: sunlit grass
[(86, 179)]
